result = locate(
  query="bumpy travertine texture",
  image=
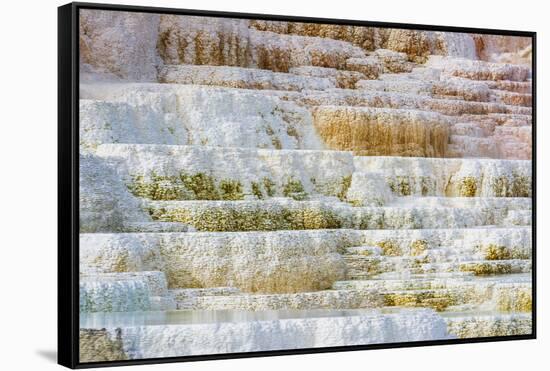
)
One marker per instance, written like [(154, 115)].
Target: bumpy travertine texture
[(118, 45), (124, 292), (273, 262), (416, 44), (329, 299), (96, 345), (184, 114), (278, 172), (376, 131), (249, 336), (489, 325), (218, 41), (239, 77), (253, 185), (105, 203), (498, 48), (340, 78), (277, 214), (176, 114), (268, 173), (445, 177), (478, 70)]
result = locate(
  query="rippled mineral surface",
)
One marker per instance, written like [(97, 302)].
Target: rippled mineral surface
[(255, 185)]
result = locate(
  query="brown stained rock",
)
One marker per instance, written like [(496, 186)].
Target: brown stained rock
[(119, 44), (98, 345), (381, 132)]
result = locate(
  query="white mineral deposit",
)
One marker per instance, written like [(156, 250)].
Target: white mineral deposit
[(259, 185)]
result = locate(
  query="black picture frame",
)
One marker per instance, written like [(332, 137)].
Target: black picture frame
[(68, 182)]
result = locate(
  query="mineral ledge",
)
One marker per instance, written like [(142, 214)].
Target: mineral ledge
[(254, 185)]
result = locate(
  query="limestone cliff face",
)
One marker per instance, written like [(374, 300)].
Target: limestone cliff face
[(253, 185)]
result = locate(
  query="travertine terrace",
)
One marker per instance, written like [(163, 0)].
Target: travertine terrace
[(255, 185)]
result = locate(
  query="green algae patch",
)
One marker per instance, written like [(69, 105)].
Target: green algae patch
[(400, 300), (420, 299), (355, 203), (437, 303), (390, 248), (346, 184), (500, 186), (366, 219), (294, 189), (269, 186), (496, 252), (521, 186), (515, 186), (158, 188), (202, 185), (467, 187), (231, 190), (514, 300), (198, 186), (400, 185), (419, 247), (256, 190), (484, 269), (499, 252), (231, 218)]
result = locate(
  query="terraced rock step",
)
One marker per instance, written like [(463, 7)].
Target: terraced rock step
[(188, 298), (459, 280), (286, 214), (502, 299), (386, 268), (260, 173), (387, 99), (253, 185), (480, 70), (406, 132), (491, 267), (462, 89), (472, 326), (245, 78), (196, 40), (111, 113), (446, 177), (275, 262), (189, 333), (185, 114), (162, 172), (447, 244), (432, 83), (295, 261), (124, 292), (373, 38), (327, 299), (522, 87)]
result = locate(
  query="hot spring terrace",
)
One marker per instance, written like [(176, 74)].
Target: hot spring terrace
[(329, 190)]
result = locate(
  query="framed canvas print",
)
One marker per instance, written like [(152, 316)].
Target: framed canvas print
[(238, 185)]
